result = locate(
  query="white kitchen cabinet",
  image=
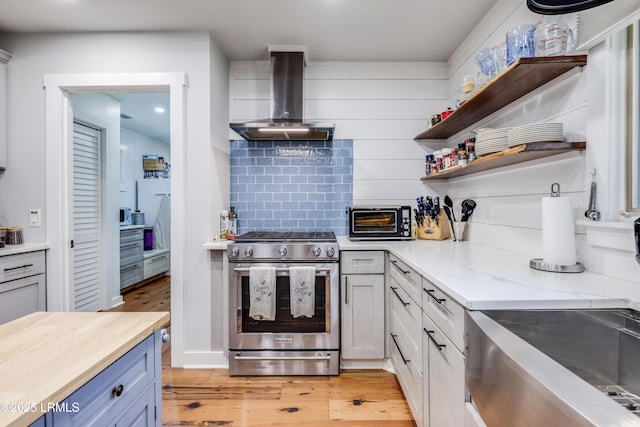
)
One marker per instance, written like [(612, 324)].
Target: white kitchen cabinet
[(405, 326), (362, 304), (471, 416), (443, 386), (131, 255), (22, 285), (4, 59), (444, 390), (156, 262)]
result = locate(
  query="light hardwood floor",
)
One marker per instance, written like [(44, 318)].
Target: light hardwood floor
[(210, 397)]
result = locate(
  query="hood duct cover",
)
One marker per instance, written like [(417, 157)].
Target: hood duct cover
[(286, 122), (559, 7)]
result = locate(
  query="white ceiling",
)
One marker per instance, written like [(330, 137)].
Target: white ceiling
[(331, 30)]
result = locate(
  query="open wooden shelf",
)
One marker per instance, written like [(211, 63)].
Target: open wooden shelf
[(523, 76), (512, 156)]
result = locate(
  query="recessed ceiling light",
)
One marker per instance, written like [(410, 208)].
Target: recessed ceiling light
[(159, 109)]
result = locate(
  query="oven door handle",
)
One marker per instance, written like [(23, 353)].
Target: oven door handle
[(281, 270), (240, 357)]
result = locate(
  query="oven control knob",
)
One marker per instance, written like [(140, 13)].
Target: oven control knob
[(331, 252), (248, 252), (235, 252), (283, 251), (316, 251)]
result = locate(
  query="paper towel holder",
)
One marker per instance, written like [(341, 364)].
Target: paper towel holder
[(539, 264)]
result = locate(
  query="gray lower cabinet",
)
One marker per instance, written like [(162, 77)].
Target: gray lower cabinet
[(444, 391), (131, 256), (362, 304), (126, 393), (156, 262), (22, 285), (405, 324)]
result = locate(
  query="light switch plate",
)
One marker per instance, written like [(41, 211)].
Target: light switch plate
[(34, 217)]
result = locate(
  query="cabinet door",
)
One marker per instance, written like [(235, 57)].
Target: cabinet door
[(142, 413), (4, 58), (363, 316), (446, 389)]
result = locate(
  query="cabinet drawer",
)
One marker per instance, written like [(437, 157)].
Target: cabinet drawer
[(409, 377), (156, 264), (112, 391), (131, 273), (21, 265), (362, 262), (445, 312), (21, 297), (406, 277), (131, 252), (406, 320), (131, 235)]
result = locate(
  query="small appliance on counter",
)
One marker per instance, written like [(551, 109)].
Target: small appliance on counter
[(380, 223), (125, 216)]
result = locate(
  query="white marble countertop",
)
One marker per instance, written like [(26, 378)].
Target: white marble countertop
[(216, 245), (482, 277), (26, 247)]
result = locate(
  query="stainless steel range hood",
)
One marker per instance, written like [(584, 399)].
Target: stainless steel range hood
[(286, 122)]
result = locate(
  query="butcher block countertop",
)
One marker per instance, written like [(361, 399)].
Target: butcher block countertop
[(46, 356)]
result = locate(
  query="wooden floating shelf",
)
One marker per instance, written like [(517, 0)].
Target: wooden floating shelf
[(523, 76), (511, 156)]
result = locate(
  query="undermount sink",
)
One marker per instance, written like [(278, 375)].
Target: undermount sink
[(554, 367)]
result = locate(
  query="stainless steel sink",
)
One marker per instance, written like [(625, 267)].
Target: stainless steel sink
[(554, 367)]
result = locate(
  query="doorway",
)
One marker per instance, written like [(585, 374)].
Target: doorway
[(59, 223)]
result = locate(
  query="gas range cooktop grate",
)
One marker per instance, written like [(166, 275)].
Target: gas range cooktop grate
[(286, 236)]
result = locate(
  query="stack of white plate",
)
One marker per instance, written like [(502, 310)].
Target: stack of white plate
[(538, 132), (492, 141)]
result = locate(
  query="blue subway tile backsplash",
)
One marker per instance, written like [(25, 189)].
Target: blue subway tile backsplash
[(292, 185)]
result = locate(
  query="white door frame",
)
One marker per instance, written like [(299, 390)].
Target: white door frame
[(58, 175)]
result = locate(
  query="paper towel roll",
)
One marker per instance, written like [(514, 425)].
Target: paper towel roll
[(558, 231)]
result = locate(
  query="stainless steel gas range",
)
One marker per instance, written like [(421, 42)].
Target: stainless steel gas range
[(284, 304)]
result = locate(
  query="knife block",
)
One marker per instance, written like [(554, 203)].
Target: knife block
[(432, 230)]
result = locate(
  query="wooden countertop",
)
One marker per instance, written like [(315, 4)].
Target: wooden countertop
[(46, 356)]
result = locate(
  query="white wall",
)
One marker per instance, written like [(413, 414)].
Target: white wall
[(382, 106), (132, 147), (206, 172)]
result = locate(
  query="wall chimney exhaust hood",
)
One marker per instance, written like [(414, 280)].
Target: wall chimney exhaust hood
[(286, 122)]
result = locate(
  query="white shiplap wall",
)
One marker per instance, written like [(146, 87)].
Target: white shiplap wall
[(382, 106)]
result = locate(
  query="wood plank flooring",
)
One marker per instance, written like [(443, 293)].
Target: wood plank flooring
[(210, 397)]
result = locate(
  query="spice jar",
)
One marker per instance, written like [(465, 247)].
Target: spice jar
[(446, 158), (439, 160), (462, 154), (435, 119), (471, 149)]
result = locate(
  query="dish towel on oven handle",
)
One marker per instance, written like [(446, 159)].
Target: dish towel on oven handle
[(262, 293), (302, 282)]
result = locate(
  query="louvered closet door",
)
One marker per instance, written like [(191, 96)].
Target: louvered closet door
[(86, 218)]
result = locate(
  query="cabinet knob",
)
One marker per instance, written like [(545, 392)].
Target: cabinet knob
[(117, 391)]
